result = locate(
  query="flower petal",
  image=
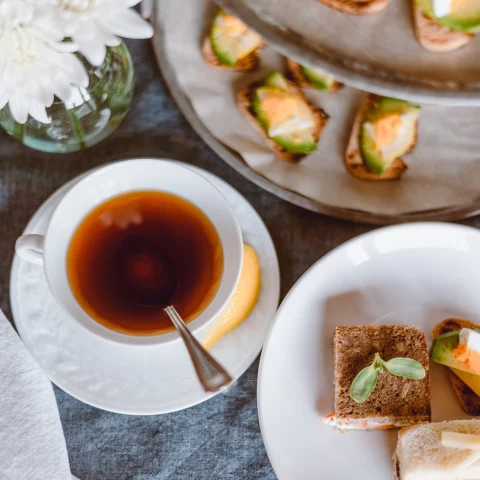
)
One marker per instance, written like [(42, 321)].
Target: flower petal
[(94, 52), (105, 36), (3, 99), (113, 41), (38, 112), (41, 92), (65, 47), (19, 108), (46, 95), (62, 87), (74, 69), (129, 24)]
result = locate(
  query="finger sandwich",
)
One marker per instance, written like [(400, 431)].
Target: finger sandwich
[(439, 451), (395, 401)]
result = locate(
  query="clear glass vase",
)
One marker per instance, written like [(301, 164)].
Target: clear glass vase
[(93, 114)]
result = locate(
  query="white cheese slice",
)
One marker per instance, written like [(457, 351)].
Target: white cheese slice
[(237, 38), (290, 126), (402, 141), (441, 8), (298, 119), (470, 338)]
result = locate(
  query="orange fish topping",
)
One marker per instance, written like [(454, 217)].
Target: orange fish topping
[(470, 357), (386, 130), (234, 26)]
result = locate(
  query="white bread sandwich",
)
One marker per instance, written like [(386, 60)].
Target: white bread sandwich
[(439, 451)]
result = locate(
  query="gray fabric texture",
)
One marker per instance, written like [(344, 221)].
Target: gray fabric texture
[(219, 439)]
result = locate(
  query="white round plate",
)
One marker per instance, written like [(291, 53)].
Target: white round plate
[(416, 274), (135, 380)]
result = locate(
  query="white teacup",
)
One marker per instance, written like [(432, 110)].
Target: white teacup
[(50, 250)]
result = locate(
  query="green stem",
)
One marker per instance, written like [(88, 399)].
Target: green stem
[(19, 131), (77, 128)]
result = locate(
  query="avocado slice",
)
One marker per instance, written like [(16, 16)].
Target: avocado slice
[(226, 47), (442, 352), (276, 80), (382, 107), (373, 159), (386, 105), (465, 19), (301, 142), (298, 142), (318, 79)]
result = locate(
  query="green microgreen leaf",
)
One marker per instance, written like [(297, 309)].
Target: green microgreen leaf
[(405, 367), (364, 383), (366, 380), (378, 363)]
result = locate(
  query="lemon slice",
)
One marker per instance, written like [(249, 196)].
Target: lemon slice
[(243, 300)]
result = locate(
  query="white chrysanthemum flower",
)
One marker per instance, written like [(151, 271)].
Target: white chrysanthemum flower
[(95, 25), (34, 65)]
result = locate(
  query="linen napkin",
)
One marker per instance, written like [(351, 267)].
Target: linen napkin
[(32, 445)]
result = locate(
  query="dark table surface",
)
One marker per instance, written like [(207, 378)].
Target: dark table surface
[(219, 439)]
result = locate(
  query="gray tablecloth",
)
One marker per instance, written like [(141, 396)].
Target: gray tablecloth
[(219, 439)]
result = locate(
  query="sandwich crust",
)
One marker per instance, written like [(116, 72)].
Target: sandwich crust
[(299, 78), (353, 157), (396, 466), (469, 400), (356, 7), (244, 103), (245, 64), (434, 37)]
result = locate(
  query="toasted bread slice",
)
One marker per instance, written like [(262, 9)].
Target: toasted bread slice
[(435, 37), (353, 157), (246, 64), (468, 399), (296, 72), (356, 7), (244, 102)]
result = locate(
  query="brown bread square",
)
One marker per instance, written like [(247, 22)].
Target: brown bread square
[(395, 401)]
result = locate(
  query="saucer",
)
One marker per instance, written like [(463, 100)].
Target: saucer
[(133, 380)]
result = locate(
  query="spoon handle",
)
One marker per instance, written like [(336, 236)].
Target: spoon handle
[(211, 374)]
